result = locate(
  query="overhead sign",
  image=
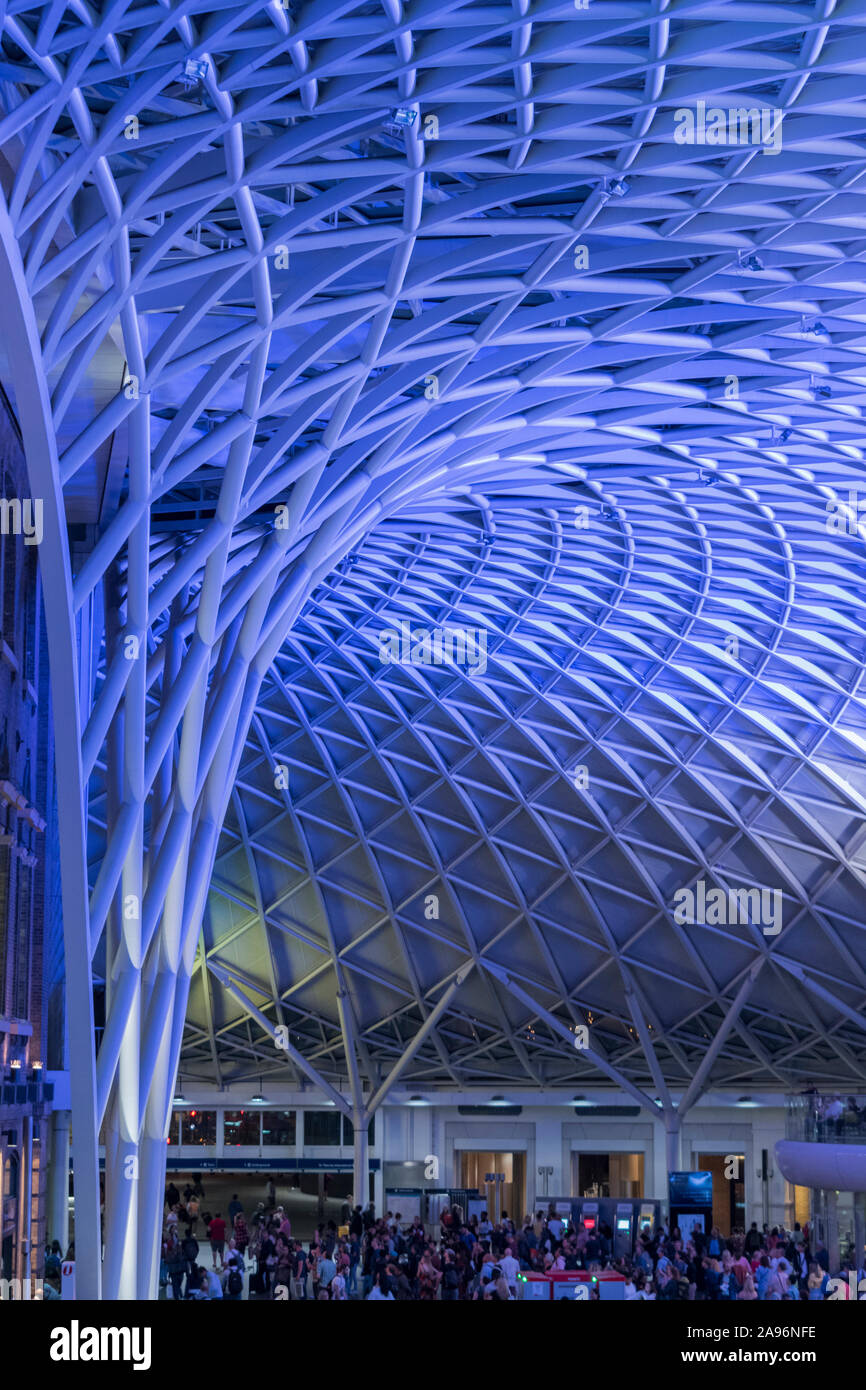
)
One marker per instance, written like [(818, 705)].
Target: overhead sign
[(231, 1164)]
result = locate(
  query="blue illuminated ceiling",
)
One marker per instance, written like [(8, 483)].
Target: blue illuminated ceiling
[(532, 367)]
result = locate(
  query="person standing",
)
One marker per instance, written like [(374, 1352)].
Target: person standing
[(189, 1250), (241, 1233), (451, 1278), (301, 1270), (192, 1211), (175, 1262), (510, 1270), (235, 1209), (217, 1236), (326, 1270)]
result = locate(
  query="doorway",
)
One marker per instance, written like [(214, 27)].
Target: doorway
[(607, 1175), (476, 1166), (729, 1189)]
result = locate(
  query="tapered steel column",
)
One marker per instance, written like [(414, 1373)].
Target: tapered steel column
[(859, 1228), (58, 1180), (831, 1207), (25, 1204), (361, 1164), (673, 1142), (40, 450)]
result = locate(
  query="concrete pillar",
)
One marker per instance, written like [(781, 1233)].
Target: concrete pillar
[(361, 1162), (58, 1180), (548, 1154), (673, 1143), (4, 1273), (832, 1210), (859, 1228), (25, 1203)]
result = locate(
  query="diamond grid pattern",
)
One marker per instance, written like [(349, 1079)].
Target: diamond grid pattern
[(244, 269), (606, 651)]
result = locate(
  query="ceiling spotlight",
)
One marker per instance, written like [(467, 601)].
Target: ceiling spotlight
[(747, 1101), (814, 326), (580, 1100), (258, 1098), (498, 1100), (747, 260), (417, 1100), (194, 71), (404, 116), (819, 390), (708, 478), (616, 188)]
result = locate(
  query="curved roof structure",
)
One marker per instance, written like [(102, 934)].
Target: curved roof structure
[(541, 320), (665, 694)]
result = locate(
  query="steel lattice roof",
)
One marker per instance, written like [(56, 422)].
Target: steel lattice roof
[(552, 305)]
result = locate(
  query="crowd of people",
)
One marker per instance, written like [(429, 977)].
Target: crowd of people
[(833, 1116), (385, 1259)]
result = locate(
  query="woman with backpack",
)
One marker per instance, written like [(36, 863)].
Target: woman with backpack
[(175, 1262), (189, 1250)]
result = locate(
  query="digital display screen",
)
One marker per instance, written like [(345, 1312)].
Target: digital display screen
[(623, 1224), (691, 1189)]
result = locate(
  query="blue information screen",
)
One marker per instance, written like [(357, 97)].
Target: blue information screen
[(690, 1189)]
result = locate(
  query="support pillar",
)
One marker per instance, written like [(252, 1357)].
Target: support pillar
[(832, 1235), (860, 1228), (673, 1142), (361, 1163), (58, 1180), (25, 1205)]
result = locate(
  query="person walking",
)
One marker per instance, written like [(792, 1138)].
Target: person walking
[(217, 1236)]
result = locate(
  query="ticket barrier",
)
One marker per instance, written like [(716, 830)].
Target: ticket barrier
[(589, 1214), (623, 1229), (648, 1215), (573, 1284)]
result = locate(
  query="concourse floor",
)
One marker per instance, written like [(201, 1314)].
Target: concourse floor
[(305, 1209)]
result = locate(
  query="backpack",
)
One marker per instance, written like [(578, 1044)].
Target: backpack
[(235, 1283)]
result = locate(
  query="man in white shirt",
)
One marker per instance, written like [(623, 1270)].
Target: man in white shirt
[(510, 1270), (554, 1225)]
